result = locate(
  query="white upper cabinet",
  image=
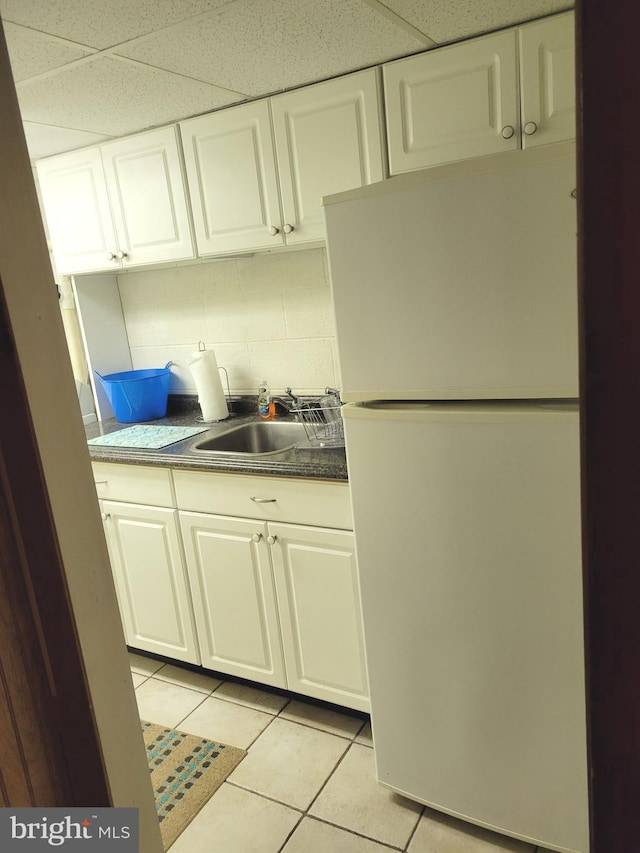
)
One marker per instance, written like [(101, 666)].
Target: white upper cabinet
[(76, 207), (248, 194), (328, 139), (464, 100), (453, 103), (117, 205), (257, 172), (547, 80), (232, 178), (148, 199)]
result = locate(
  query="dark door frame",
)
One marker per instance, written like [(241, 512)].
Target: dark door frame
[(608, 86)]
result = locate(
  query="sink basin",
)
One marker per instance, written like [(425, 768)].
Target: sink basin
[(256, 438)]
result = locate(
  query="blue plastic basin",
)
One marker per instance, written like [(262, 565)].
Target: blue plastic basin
[(137, 395)]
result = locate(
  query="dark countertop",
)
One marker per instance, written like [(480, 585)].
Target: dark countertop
[(323, 463)]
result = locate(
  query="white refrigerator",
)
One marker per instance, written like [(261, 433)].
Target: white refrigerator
[(456, 317)]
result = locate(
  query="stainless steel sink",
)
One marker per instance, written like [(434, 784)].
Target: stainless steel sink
[(256, 438)]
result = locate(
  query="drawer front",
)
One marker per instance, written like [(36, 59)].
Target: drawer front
[(316, 503), (133, 483)]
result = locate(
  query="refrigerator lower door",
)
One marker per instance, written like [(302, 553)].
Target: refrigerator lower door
[(467, 523)]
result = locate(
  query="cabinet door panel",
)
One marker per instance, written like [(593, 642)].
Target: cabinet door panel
[(328, 140), (144, 177), (233, 596), (232, 179), (452, 103), (547, 80), (319, 600), (152, 587), (76, 206)]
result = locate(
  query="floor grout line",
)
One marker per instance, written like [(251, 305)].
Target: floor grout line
[(414, 830), (350, 740)]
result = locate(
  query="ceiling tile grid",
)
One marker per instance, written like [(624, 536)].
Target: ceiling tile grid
[(263, 46), (111, 96), (45, 140), (87, 70), (451, 20), (32, 52), (101, 24)]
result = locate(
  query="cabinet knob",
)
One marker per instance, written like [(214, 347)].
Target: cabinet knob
[(574, 193), (111, 256), (273, 230), (257, 537), (105, 516), (287, 228), (271, 540), (120, 254), (530, 128), (508, 131)]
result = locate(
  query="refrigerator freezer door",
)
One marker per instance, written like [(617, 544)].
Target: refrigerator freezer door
[(459, 281), (467, 524)]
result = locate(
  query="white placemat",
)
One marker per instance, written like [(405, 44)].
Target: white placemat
[(147, 436)]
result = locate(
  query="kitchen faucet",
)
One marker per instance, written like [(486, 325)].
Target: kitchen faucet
[(294, 401)]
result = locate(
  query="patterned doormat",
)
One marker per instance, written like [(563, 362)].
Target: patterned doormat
[(185, 771)]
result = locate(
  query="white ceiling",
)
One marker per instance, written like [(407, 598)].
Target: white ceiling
[(90, 70)]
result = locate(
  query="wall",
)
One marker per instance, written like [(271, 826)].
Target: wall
[(266, 317)]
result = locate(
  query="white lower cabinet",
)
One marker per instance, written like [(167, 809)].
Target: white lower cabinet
[(233, 596), (274, 579), (250, 576), (151, 584), (312, 613), (319, 603)]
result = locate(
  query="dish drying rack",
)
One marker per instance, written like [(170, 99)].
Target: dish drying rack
[(322, 419)]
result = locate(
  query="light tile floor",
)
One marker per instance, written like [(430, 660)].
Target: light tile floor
[(307, 783)]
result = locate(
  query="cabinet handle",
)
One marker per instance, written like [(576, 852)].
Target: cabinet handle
[(263, 500), (530, 128), (273, 230), (574, 193), (508, 131), (100, 482), (105, 515), (271, 540), (120, 254), (287, 228), (257, 537)]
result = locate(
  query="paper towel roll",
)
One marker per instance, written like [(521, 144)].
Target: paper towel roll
[(204, 367)]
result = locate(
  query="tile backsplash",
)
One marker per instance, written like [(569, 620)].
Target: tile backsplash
[(266, 317)]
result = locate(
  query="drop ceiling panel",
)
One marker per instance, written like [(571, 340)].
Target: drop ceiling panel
[(32, 52), (178, 58), (98, 23), (261, 46), (457, 19), (43, 140), (115, 97)]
